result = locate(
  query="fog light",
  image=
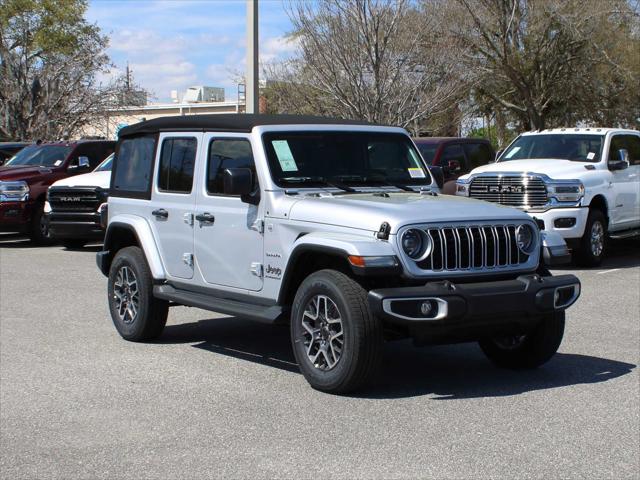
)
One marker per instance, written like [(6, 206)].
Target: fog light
[(426, 308), (565, 222)]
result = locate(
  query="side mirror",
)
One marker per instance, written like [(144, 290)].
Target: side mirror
[(621, 162), (438, 175), (239, 181)]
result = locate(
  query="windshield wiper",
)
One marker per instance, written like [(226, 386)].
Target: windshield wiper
[(323, 180), (376, 179)]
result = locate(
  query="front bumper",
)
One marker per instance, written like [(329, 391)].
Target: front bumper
[(82, 226), (15, 216), (549, 218), (470, 311)]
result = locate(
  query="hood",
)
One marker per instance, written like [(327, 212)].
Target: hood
[(25, 173), (92, 179), (368, 211), (556, 169)]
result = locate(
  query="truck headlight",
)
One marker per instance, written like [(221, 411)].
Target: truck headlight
[(416, 244), (566, 192), (14, 191), (525, 238), (462, 187)]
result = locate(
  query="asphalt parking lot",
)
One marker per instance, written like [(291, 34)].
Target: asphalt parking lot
[(222, 397)]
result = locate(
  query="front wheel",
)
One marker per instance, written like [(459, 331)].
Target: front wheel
[(136, 313), (593, 244), (39, 228), (336, 340), (530, 350)]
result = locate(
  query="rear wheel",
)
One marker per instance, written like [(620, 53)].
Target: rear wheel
[(136, 313), (336, 340), (530, 350), (592, 246)]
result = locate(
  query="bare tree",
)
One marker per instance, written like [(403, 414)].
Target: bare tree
[(551, 62), (50, 61), (364, 59)]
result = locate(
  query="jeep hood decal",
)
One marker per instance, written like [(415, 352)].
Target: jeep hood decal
[(368, 211)]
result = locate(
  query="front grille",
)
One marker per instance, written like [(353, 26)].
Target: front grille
[(515, 191), (63, 199), (473, 248)]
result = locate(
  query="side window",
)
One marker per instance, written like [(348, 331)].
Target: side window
[(633, 147), (133, 167), (453, 159), (227, 153), (617, 143), (478, 154), (177, 159)]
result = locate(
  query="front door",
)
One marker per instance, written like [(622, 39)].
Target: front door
[(624, 214), (173, 201), (227, 231)]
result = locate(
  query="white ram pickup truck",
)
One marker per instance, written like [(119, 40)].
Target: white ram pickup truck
[(583, 183)]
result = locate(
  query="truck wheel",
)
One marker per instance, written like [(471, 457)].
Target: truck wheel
[(39, 228), (136, 313), (73, 244), (530, 350), (336, 340), (592, 245)]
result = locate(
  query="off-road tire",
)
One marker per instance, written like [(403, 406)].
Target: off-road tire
[(38, 230), (73, 244), (536, 348), (362, 333), (152, 312), (584, 254)]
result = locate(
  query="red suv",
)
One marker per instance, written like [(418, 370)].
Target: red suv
[(456, 156), (25, 178)]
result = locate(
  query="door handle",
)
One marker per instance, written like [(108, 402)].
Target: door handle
[(160, 213), (205, 217)]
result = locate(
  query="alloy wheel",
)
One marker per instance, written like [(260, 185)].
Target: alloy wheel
[(322, 335), (597, 239), (126, 295)]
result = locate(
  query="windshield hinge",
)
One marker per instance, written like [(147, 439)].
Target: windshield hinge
[(258, 226)]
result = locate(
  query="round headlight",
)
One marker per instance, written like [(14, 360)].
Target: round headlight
[(525, 238), (416, 244)]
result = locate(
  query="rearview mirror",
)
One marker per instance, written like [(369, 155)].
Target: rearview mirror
[(621, 162), (438, 175), (239, 182)]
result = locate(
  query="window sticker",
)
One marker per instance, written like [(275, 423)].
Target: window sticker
[(513, 151), (58, 163), (591, 156), (285, 157), (416, 172)]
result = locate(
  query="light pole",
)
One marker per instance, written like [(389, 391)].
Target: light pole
[(252, 95)]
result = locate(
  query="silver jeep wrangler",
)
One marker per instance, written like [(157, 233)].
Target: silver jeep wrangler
[(334, 227)]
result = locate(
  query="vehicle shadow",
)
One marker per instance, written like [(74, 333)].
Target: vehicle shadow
[(446, 372), (620, 254), (11, 240)]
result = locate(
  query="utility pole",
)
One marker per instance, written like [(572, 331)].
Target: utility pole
[(252, 96)]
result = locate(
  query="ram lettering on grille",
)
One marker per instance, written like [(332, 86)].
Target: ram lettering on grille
[(517, 191)]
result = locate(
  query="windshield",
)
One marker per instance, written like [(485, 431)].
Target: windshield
[(339, 159), (40, 155), (428, 151), (105, 166), (579, 148)]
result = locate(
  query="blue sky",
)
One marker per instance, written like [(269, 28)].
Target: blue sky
[(173, 44)]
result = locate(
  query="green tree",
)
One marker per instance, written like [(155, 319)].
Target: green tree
[(50, 58)]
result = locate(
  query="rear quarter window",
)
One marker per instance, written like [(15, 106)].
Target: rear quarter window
[(133, 167)]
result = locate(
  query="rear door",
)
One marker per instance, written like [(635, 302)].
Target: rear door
[(173, 201), (478, 154)]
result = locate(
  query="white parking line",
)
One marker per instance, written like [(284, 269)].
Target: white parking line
[(608, 271)]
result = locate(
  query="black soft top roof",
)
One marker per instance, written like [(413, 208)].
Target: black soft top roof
[(236, 122)]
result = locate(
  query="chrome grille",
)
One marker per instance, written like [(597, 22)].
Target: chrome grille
[(479, 247), (516, 191)]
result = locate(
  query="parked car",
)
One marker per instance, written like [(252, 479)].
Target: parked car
[(455, 156), (9, 149), (25, 178), (330, 226), (583, 183), (75, 205)]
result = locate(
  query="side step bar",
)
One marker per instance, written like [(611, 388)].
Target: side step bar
[(260, 313), (624, 234)]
